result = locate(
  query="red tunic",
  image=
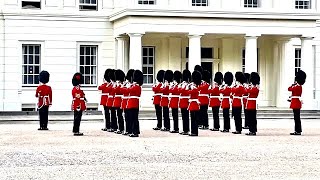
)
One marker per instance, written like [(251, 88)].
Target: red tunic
[(194, 101), (237, 93), (245, 95), (296, 90), (117, 95), (125, 92), (111, 94), (253, 93), (134, 95), (156, 88), (174, 96), (214, 95), (78, 102), (226, 92), (44, 95), (165, 95), (184, 95), (104, 93), (204, 93)]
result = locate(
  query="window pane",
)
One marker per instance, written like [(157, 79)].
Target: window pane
[(81, 60), (144, 70), (93, 51), (145, 60), (25, 50), (31, 50), (87, 79), (87, 51), (87, 70), (150, 79), (93, 80), (150, 70), (25, 79), (82, 69), (145, 52), (145, 80), (37, 59), (93, 1), (93, 60), (37, 50), (81, 50), (25, 70), (150, 51), (87, 60), (93, 70), (36, 69), (87, 1), (151, 60), (30, 79), (25, 59), (81, 1), (36, 79), (30, 69), (30, 59)]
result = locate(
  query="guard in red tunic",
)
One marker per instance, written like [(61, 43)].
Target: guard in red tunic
[(78, 103), (237, 92), (204, 99), (253, 93), (194, 104), (44, 95), (104, 88), (200, 121), (156, 88), (244, 100), (125, 91), (168, 77), (296, 103), (215, 102), (184, 101), (112, 92), (119, 75), (174, 100), (226, 92), (133, 102)]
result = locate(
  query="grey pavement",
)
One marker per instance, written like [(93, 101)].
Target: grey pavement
[(26, 153)]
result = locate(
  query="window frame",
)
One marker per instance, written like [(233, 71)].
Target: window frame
[(248, 5), (40, 1), (89, 44), (86, 4), (194, 4), (154, 2), (148, 64), (297, 6), (297, 60)]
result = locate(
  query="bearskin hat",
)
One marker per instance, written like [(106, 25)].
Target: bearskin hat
[(138, 77), (77, 79), (301, 77), (240, 77), (129, 75), (247, 77), (160, 76), (168, 76), (255, 78), (228, 78), (218, 78), (106, 75), (206, 76), (186, 75), (119, 74), (111, 75), (44, 77), (198, 68), (196, 77), (177, 76)]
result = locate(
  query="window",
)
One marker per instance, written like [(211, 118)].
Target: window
[(199, 2), (297, 60), (206, 53), (88, 5), (149, 2), (31, 63), (251, 3), (148, 57), (88, 64), (303, 4), (243, 57), (31, 4)]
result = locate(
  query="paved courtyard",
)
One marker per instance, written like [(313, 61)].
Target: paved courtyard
[(26, 153)]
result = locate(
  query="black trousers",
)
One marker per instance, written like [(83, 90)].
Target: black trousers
[(159, 115), (43, 116), (133, 115), (185, 120), (107, 117), (203, 115), (236, 111), (194, 122), (76, 121), (252, 120), (166, 118), (226, 119), (120, 119), (215, 114), (175, 118), (114, 124), (297, 120), (246, 124), (128, 122)]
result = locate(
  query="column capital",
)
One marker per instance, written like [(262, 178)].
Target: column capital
[(251, 37), (119, 38), (135, 34), (306, 38), (195, 35)]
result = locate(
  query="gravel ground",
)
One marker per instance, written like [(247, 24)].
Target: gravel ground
[(26, 153)]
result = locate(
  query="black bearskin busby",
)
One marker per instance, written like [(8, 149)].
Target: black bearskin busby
[(240, 77), (138, 77), (129, 75), (119, 75), (198, 68), (111, 75), (301, 77), (177, 76), (160, 76), (206, 76), (255, 78), (168, 76), (228, 78), (247, 78), (106, 75), (218, 78), (196, 77), (186, 75), (44, 77), (77, 79)]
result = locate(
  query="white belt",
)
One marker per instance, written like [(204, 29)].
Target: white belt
[(110, 96), (174, 96), (133, 97), (245, 96), (295, 97), (214, 96), (194, 100), (118, 96), (44, 100), (204, 95), (158, 94), (125, 97), (184, 97), (165, 96), (226, 97), (105, 94), (237, 97), (252, 99), (79, 99)]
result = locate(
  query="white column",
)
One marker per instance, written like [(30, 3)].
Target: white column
[(251, 54), (120, 53), (307, 65), (194, 51), (135, 55)]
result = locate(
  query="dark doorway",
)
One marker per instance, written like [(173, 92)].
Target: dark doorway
[(205, 65)]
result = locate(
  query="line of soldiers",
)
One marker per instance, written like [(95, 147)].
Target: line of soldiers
[(195, 93)]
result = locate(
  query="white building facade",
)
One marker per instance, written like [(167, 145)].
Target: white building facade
[(272, 37)]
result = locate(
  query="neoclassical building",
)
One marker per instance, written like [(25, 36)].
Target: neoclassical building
[(275, 38)]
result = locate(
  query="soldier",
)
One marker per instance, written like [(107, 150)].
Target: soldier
[(226, 92), (215, 100), (156, 88), (204, 99), (125, 91), (296, 102), (194, 106), (119, 74), (237, 92), (168, 77), (114, 124), (78, 102), (104, 88), (244, 99), (133, 102), (253, 93), (200, 120), (174, 100), (184, 101), (44, 95)]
